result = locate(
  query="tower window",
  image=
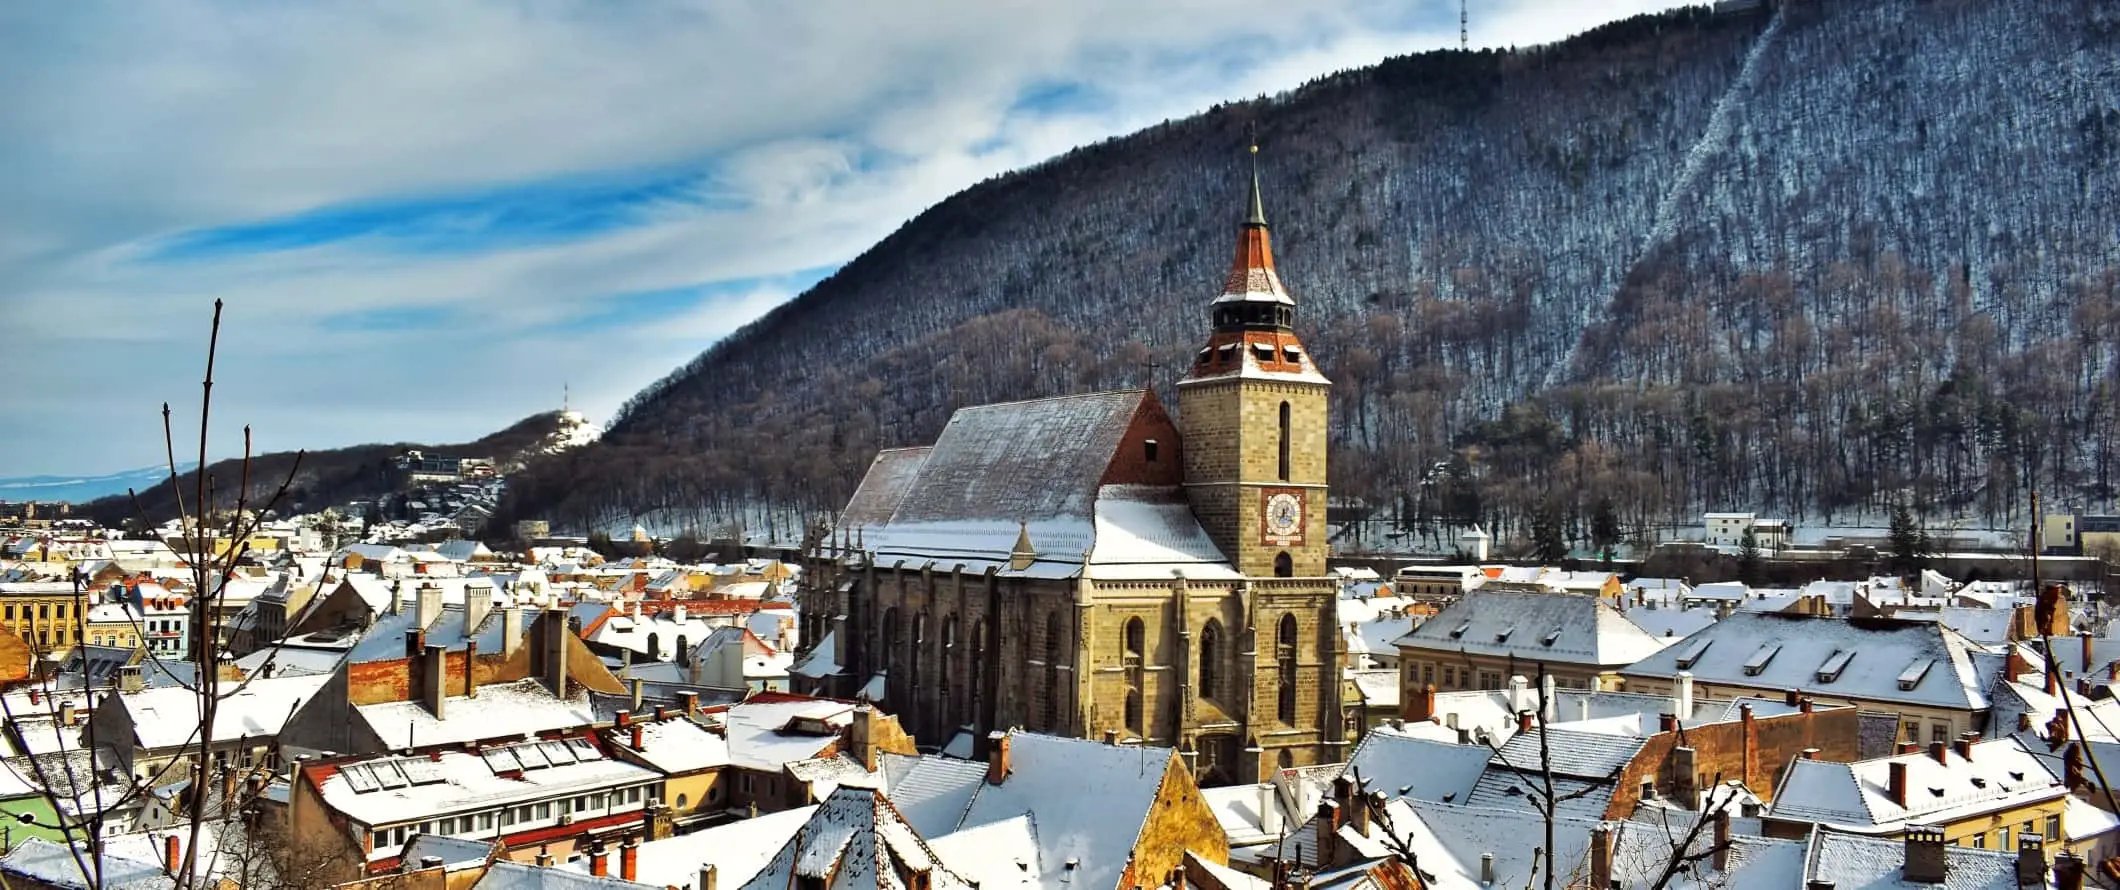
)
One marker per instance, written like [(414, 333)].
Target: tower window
[(1148, 450), (1284, 441), (1283, 567), (1136, 637), (1285, 657)]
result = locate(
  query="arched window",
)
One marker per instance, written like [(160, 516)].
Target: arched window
[(949, 654), (1283, 566), (1211, 659), (1136, 637), (891, 647), (1133, 712), (684, 652), (1287, 758), (1055, 638), (1284, 441), (919, 643), (654, 647), (1285, 657)]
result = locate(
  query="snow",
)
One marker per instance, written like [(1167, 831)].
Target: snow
[(753, 730), (1145, 532), (1504, 623), (2001, 775), (469, 785), (1884, 649), (1400, 765), (737, 851), (1097, 831), (253, 709), (675, 746), (499, 711), (997, 856)]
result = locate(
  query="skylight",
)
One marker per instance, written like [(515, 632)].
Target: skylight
[(1911, 677), (1758, 661), (1830, 671), (1692, 654)]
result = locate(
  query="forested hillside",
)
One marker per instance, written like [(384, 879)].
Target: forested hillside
[(1817, 259)]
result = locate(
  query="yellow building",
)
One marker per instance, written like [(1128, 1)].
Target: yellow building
[(44, 614), (1987, 795), (112, 624)]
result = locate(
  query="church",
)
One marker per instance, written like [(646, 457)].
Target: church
[(1101, 567)]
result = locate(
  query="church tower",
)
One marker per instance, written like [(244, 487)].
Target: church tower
[(1252, 415)]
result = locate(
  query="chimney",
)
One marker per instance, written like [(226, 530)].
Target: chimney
[(172, 854), (478, 603), (623, 718), (66, 713), (470, 668), (1790, 698), (511, 630), (1349, 797), (415, 640), (1269, 809), (2053, 679), (1519, 694), (1907, 748), (131, 678), (1896, 783), (1686, 763), (1810, 753), (2086, 637), (1940, 753), (428, 607), (1722, 839), (2072, 767), (2068, 872), (1666, 722), (1964, 744), (1328, 833), (1682, 697), (1421, 704), (709, 877), (1551, 700), (997, 764), (544, 857), (640, 691), (434, 678), (1804, 706), (1111, 737), (638, 745), (1925, 862), (629, 859), (397, 597), (861, 736), (1601, 856), (2031, 861), (690, 701), (1523, 721), (1486, 869)]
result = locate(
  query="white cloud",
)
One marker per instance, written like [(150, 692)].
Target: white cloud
[(809, 130)]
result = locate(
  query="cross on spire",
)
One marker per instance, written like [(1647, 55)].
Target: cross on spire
[(1257, 216)]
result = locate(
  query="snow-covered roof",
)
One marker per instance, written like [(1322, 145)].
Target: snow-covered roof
[(675, 745), (252, 709), (498, 711), (2000, 775), (1096, 832), (996, 856), (1400, 765), (1548, 627), (855, 840), (821, 661), (1845, 860), (932, 792), (737, 850), (759, 735), (1148, 531), (452, 851), (403, 789), (1913, 662)]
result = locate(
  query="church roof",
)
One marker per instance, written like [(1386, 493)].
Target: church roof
[(1045, 472)]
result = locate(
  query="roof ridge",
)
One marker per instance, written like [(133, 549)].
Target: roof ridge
[(1133, 390)]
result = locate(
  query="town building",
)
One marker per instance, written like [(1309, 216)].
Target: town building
[(1985, 794), (1493, 633), (1090, 565)]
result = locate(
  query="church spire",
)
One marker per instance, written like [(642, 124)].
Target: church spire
[(1258, 204)]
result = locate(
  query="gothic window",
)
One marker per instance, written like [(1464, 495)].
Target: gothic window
[(1283, 566), (1284, 441), (919, 643), (1285, 657), (1133, 712), (949, 647), (1055, 633), (1210, 659), (891, 643), (1136, 638)]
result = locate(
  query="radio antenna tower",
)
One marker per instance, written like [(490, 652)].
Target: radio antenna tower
[(1464, 29)]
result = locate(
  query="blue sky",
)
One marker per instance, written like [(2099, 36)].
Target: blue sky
[(428, 218)]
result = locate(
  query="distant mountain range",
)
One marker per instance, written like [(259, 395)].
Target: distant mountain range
[(82, 489), (1815, 258)]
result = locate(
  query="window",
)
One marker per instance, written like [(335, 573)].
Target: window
[(1285, 656), (682, 800), (544, 810), (2002, 838), (1427, 673), (508, 816), (1133, 711), (2053, 827), (1136, 634), (1980, 841), (1148, 450), (485, 821), (1940, 732), (1913, 731), (1490, 680), (1055, 637), (1210, 658), (1284, 442), (1283, 566)]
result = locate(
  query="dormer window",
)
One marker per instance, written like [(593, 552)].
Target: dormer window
[(1291, 355), (1206, 354), (1461, 629), (1262, 352), (1830, 671), (1227, 352), (1758, 661), (1503, 637), (1148, 450)]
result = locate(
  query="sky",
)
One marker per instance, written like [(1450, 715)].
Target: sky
[(429, 220)]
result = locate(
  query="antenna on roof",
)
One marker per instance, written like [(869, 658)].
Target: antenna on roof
[(1464, 29), (566, 394)]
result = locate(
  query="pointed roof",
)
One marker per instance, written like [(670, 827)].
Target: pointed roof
[(856, 840), (1251, 275)]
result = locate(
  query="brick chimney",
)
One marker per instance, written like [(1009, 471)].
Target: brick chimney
[(1789, 697), (709, 877), (1964, 744), (638, 745), (1926, 861), (1420, 705), (1721, 859), (434, 679), (1327, 828), (997, 762), (1896, 783), (1601, 856), (470, 668), (2072, 767), (1940, 753), (2086, 637), (2031, 861), (1349, 796), (861, 737), (629, 859), (599, 860), (172, 854), (2068, 872), (1523, 721)]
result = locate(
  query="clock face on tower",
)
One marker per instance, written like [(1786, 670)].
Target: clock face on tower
[(1281, 516)]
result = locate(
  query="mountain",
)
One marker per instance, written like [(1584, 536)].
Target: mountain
[(80, 489), (1813, 257), (335, 477)]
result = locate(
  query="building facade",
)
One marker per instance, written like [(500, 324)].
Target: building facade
[(1091, 566)]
